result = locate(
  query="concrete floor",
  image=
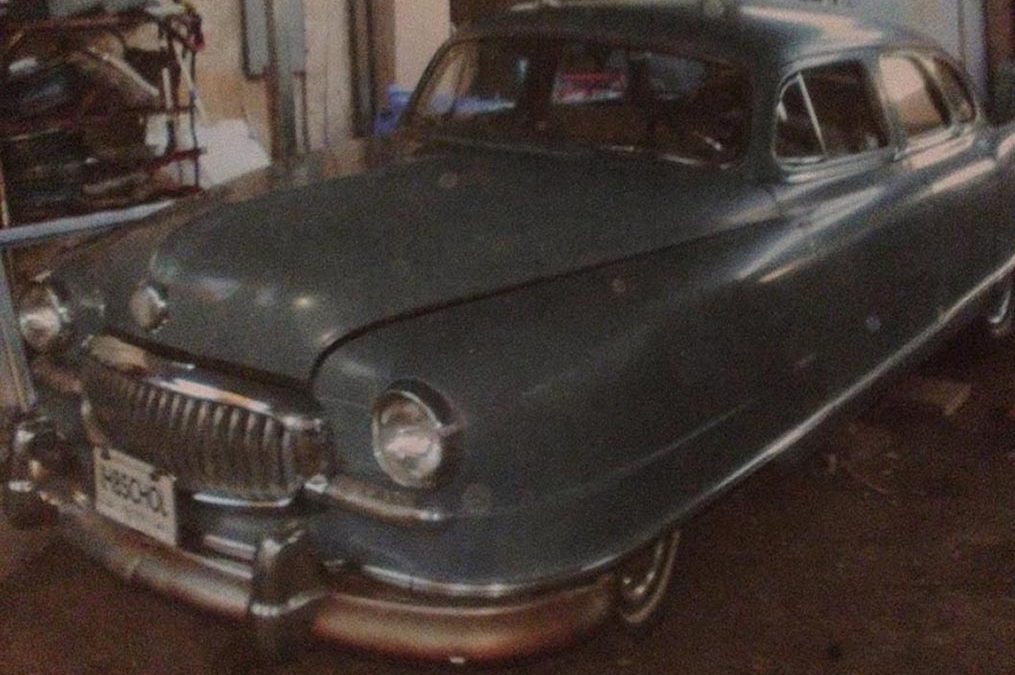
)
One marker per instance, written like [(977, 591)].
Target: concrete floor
[(890, 549)]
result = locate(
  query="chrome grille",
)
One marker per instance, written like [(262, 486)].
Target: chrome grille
[(214, 441)]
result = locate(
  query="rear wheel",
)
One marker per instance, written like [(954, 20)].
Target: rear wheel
[(643, 580)]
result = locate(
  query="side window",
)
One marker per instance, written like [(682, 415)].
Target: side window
[(443, 88), (475, 80), (828, 113), (955, 91), (920, 106)]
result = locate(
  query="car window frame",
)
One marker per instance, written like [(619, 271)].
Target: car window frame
[(798, 79), (862, 59), (964, 80), (907, 144)]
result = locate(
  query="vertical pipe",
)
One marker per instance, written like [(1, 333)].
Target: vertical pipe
[(999, 29), (963, 45), (5, 212), (360, 43), (1000, 32), (304, 113), (280, 16), (15, 376), (16, 389)]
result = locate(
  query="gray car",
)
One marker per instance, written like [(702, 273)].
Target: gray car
[(451, 395)]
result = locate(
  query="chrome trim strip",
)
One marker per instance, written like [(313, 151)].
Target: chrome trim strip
[(212, 499), (231, 549), (489, 591), (374, 501), (805, 90)]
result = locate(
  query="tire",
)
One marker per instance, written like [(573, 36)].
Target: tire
[(643, 582)]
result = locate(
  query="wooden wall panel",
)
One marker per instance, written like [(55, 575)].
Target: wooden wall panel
[(999, 32)]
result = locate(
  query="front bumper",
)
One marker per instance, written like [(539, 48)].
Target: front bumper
[(287, 597)]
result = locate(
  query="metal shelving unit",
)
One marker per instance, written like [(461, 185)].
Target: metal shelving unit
[(179, 41)]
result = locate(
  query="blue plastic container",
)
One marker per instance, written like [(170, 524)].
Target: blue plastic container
[(389, 116)]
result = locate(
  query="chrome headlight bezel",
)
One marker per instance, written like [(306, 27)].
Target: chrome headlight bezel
[(423, 415), (45, 320)]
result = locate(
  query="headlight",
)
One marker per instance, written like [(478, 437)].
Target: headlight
[(409, 438), (44, 318)]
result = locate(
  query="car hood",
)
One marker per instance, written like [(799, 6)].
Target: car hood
[(368, 235)]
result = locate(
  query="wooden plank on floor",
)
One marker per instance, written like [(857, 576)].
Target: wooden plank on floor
[(944, 397)]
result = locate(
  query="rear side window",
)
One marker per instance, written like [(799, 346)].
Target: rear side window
[(828, 113), (955, 91), (920, 106)]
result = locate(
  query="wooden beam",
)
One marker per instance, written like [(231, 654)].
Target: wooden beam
[(360, 45), (382, 48), (943, 397), (280, 15), (999, 33)]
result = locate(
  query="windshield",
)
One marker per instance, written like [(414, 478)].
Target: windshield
[(564, 92)]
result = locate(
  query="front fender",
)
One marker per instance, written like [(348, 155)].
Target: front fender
[(596, 410)]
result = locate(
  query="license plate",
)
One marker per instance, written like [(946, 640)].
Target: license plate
[(132, 493)]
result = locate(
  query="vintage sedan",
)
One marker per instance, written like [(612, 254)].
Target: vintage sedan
[(451, 395)]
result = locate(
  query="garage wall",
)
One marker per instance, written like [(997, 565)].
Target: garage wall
[(225, 91), (228, 94), (329, 72), (421, 27), (959, 25)]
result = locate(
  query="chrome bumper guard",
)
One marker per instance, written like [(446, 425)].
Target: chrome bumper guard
[(288, 597)]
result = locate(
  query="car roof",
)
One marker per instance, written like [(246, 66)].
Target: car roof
[(749, 30)]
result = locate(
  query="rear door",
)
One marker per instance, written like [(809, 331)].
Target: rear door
[(872, 286), (941, 128)]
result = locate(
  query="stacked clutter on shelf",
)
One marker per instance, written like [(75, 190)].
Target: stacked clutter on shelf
[(46, 9), (82, 82)]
